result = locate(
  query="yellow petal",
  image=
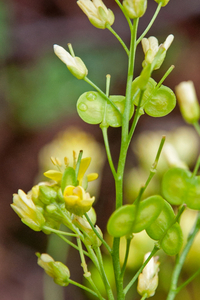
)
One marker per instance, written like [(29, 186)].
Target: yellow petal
[(92, 176), (54, 175), (85, 162)]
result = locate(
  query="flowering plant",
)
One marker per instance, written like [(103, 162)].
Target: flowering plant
[(64, 199)]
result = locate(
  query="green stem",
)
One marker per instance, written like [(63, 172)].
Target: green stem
[(106, 142), (104, 277), (70, 243), (151, 23), (128, 243), (181, 259), (59, 231), (123, 10), (97, 234), (165, 76), (188, 281), (196, 168), (119, 38), (197, 127), (153, 252), (102, 93), (87, 274), (84, 288), (122, 158), (145, 296)]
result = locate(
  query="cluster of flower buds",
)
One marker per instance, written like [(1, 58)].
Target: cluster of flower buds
[(66, 192), (151, 50)]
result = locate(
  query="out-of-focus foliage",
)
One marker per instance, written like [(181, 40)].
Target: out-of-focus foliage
[(44, 90)]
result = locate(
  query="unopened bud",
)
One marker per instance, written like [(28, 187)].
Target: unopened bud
[(148, 279), (188, 102), (135, 8), (75, 65), (163, 2), (98, 14)]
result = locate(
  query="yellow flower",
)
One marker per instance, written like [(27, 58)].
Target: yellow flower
[(29, 213), (150, 47), (55, 269), (98, 14), (75, 65), (148, 279), (77, 201)]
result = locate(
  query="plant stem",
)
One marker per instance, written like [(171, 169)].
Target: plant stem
[(122, 9), (97, 234), (105, 137), (151, 23), (128, 243), (181, 259), (118, 38), (104, 277), (84, 288), (122, 158), (102, 93), (196, 168), (197, 127)]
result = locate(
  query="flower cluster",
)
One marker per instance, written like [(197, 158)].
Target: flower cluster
[(49, 204)]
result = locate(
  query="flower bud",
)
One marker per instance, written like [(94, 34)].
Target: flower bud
[(164, 2), (151, 50), (98, 14), (29, 213), (75, 65), (148, 279), (77, 201), (47, 194), (135, 8), (55, 269), (188, 102)]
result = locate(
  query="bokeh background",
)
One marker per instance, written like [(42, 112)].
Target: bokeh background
[(38, 100)]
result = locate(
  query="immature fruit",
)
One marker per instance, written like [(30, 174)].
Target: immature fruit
[(95, 109), (173, 240), (155, 102), (179, 186), (131, 219), (161, 223)]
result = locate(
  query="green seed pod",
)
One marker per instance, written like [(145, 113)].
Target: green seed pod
[(149, 210), (136, 84), (156, 103), (162, 222), (193, 193), (127, 219), (121, 221), (68, 178), (175, 185), (161, 103), (94, 109), (173, 240)]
